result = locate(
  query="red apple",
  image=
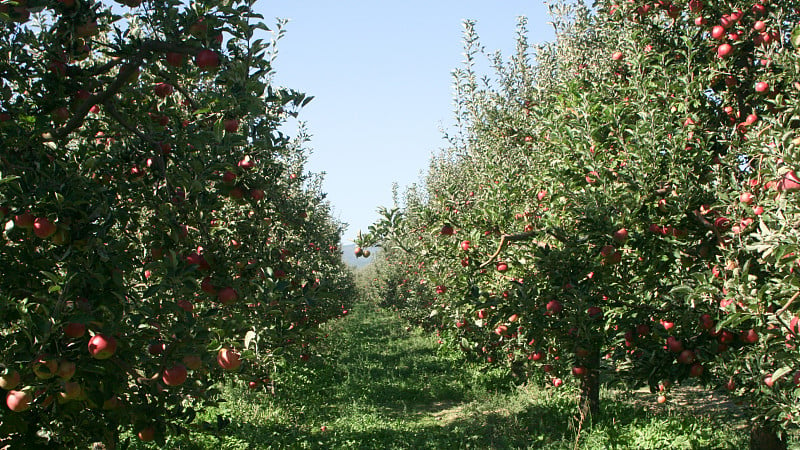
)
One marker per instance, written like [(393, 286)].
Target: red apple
[(749, 336), (789, 183), (24, 220), (686, 357), (465, 245), (102, 346), (502, 267), (192, 362), (762, 87), (580, 371), (206, 59), (746, 198), (147, 434), (231, 125), (175, 375), (724, 50), (66, 369), (696, 370), (227, 295), (72, 390), (717, 32), (554, 307), (18, 401), (447, 230), (43, 228), (674, 345), (74, 330), (228, 359), (257, 194), (620, 236), (175, 59), (163, 90), (557, 382)]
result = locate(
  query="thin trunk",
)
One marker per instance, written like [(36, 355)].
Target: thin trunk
[(764, 436), (590, 385)]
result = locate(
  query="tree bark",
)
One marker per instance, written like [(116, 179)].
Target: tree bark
[(590, 385), (763, 436)]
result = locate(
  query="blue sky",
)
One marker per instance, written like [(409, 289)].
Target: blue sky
[(380, 73)]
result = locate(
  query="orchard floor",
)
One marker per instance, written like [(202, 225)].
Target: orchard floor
[(376, 384)]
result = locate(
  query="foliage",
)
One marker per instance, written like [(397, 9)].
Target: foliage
[(149, 198), (590, 203)]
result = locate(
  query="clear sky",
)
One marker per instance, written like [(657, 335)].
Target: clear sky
[(380, 73)]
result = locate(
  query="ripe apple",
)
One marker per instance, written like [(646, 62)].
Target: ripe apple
[(617, 56), (724, 50), (789, 183), (686, 357), (227, 295), (762, 87), (175, 375), (579, 371), (746, 198), (749, 336), (620, 236), (554, 307), (706, 322), (447, 230), (231, 125), (24, 220), (207, 287), (501, 266), (163, 90), (18, 401), (513, 318), (228, 359), (717, 32), (206, 59), (674, 345), (465, 245), (175, 59), (102, 346), (147, 434), (10, 380), (74, 330), (66, 369), (696, 370), (358, 252), (156, 348), (192, 362), (43, 228), (482, 314), (72, 390), (661, 399), (45, 367), (557, 382), (594, 312), (257, 194)]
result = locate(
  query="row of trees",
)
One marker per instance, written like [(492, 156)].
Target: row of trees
[(622, 208), (160, 232)]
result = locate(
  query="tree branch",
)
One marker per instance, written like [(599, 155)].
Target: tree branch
[(506, 238)]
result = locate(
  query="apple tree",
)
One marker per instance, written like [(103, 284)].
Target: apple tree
[(160, 233)]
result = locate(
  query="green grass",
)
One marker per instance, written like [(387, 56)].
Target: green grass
[(374, 384)]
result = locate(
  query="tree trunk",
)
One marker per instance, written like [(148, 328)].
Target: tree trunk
[(590, 385), (763, 436)]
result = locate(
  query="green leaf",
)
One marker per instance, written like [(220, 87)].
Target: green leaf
[(795, 37)]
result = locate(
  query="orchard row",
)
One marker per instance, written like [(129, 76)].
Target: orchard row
[(622, 209)]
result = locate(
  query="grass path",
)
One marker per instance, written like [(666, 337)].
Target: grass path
[(374, 384)]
